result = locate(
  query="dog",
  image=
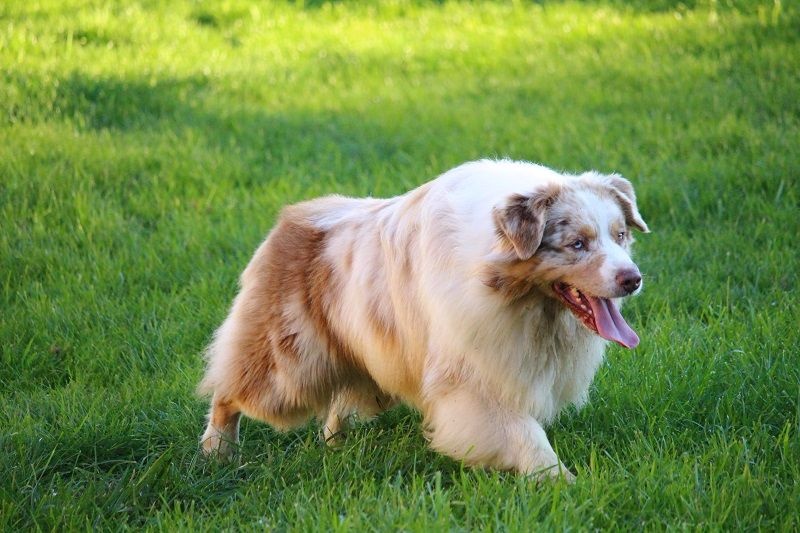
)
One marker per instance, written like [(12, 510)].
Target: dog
[(484, 298)]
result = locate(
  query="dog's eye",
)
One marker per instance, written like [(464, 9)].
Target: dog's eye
[(621, 236), (578, 245)]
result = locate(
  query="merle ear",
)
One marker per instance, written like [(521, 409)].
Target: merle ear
[(522, 219), (623, 192)]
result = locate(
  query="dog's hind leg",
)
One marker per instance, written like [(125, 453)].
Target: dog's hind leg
[(350, 405), (464, 426), (222, 433)]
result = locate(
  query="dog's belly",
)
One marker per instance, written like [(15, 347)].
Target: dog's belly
[(375, 305), (389, 349)]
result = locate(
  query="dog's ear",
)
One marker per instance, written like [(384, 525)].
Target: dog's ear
[(623, 192), (521, 221)]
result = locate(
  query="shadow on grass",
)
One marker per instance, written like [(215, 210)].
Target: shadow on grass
[(643, 6), (252, 136)]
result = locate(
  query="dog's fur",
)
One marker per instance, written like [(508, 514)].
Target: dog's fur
[(442, 298)]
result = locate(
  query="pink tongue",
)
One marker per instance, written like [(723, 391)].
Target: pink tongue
[(610, 324)]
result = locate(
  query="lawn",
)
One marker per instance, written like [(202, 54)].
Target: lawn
[(146, 147)]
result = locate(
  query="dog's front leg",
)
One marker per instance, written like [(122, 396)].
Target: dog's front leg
[(536, 457), (465, 426)]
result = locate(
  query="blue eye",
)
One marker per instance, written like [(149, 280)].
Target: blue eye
[(578, 245)]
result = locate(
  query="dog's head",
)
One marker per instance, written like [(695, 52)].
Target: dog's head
[(572, 242)]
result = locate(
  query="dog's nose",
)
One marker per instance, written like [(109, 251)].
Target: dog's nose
[(629, 279)]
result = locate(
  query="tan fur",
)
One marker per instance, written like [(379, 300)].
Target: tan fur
[(439, 298)]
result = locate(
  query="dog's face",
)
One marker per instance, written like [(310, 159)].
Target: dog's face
[(572, 242)]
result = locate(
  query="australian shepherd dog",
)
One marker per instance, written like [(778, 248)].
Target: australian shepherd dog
[(484, 299)]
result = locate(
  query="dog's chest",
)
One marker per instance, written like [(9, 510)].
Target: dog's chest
[(563, 357)]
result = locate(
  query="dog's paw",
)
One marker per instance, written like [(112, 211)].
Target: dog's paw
[(553, 473), (215, 446), (567, 476), (333, 438)]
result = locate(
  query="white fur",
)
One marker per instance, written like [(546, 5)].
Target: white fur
[(486, 372)]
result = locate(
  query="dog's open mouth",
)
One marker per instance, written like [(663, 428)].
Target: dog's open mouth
[(598, 314)]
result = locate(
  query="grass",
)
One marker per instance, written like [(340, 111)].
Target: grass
[(145, 148)]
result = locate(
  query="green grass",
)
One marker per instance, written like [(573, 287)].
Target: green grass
[(145, 148)]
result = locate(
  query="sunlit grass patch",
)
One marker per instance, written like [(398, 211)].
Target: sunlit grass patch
[(145, 149)]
